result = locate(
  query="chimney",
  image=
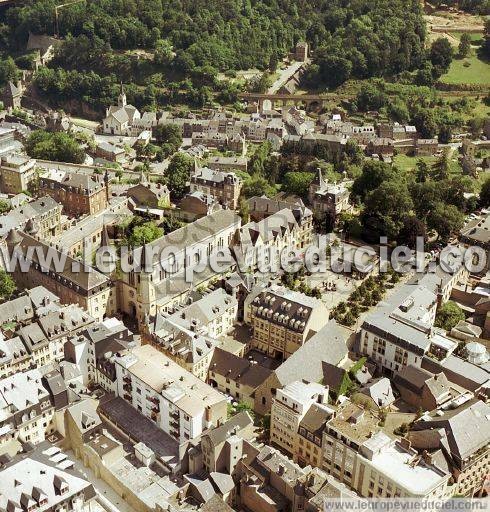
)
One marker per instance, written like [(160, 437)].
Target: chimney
[(427, 457), (405, 443)]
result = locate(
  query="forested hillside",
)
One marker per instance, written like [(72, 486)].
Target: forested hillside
[(376, 36), (195, 39)]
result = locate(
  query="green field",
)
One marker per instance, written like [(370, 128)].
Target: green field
[(475, 37), (408, 163), (471, 70)]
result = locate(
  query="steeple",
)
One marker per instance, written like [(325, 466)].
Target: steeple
[(14, 237), (105, 241), (319, 178), (143, 178), (121, 101)]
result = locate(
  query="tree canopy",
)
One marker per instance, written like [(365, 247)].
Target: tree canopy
[(60, 147)]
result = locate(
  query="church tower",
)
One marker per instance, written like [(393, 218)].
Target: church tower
[(121, 100), (146, 288)]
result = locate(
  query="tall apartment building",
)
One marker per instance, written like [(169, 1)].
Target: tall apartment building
[(358, 453), (93, 351), (17, 172), (392, 469), (7, 139), (288, 409), (40, 218), (75, 284), (182, 405), (225, 186), (283, 320), (344, 433), (44, 479), (27, 408), (400, 332), (80, 194), (461, 432)]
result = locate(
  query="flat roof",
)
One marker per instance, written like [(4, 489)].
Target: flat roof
[(398, 464), (172, 381)]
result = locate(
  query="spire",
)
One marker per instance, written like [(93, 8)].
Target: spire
[(104, 239), (106, 184), (143, 178), (121, 101), (14, 237), (145, 259), (319, 178)]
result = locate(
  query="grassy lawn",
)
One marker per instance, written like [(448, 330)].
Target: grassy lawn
[(475, 37), (408, 163), (471, 70)]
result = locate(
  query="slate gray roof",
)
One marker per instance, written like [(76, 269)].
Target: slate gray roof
[(315, 418), (194, 232), (235, 424), (19, 217), (380, 391), (86, 278), (328, 344), (467, 428), (238, 369), (211, 307)]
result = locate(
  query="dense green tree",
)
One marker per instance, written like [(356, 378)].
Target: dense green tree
[(442, 167), (8, 71), (373, 174), (334, 70), (445, 134), (386, 207), (412, 228), (164, 54), (4, 206), (422, 169), (370, 97), (445, 219), (441, 55), (425, 122), (169, 136), (485, 193), (60, 147), (260, 83), (464, 47), (297, 183), (448, 315), (257, 186), (144, 234), (7, 285), (178, 174)]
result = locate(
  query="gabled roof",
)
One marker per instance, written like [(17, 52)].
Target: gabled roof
[(328, 344), (234, 425)]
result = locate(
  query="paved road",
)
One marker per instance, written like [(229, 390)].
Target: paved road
[(284, 76)]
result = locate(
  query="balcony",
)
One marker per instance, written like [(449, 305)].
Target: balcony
[(128, 388), (155, 408), (154, 415), (175, 415), (128, 397), (127, 379), (174, 425)]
